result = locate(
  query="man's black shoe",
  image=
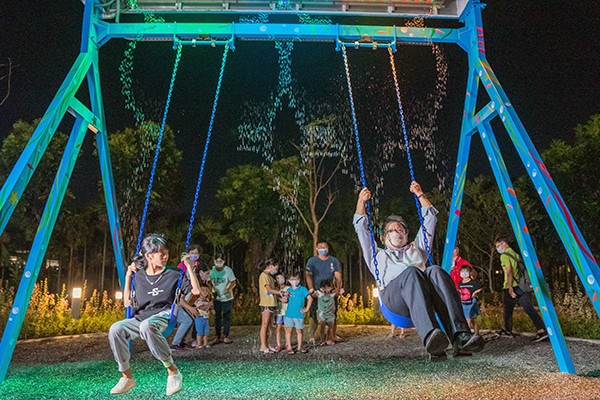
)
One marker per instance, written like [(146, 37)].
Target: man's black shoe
[(466, 342), (540, 337), (436, 344)]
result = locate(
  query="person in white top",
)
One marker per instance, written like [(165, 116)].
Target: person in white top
[(411, 289)]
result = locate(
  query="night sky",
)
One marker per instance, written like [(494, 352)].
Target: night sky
[(545, 53)]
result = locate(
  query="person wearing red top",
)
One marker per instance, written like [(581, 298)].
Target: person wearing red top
[(457, 263)]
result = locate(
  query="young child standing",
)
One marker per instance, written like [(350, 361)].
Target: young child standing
[(282, 303), (393, 332), (294, 315), (204, 304), (468, 289), (268, 303), (326, 312)]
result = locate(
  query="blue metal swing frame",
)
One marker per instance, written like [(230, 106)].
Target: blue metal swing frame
[(470, 37)]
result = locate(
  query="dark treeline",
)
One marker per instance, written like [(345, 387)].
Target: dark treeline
[(280, 211)]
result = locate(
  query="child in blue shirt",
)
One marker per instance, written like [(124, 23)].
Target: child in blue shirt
[(294, 314)]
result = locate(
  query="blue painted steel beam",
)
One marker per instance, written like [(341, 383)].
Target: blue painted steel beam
[(30, 157), (272, 31), (40, 243), (469, 44), (528, 253), (108, 184), (460, 174), (78, 109), (103, 150), (584, 262)]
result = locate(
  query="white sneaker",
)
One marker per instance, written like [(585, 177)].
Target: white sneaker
[(174, 383), (124, 386)]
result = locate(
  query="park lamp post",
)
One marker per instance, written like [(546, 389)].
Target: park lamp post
[(118, 295), (376, 310), (76, 303)]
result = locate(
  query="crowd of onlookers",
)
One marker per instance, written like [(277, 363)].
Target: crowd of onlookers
[(284, 303)]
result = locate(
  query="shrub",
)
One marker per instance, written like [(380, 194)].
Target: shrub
[(49, 314)]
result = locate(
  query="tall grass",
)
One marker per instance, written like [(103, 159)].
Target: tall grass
[(49, 314)]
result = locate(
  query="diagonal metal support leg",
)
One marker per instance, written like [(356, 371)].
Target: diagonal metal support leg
[(460, 175), (576, 246), (527, 250), (30, 157), (40, 244), (106, 169)]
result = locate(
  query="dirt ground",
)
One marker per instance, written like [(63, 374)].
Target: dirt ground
[(506, 369)]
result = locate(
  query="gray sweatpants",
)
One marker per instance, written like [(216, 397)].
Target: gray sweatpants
[(149, 330)]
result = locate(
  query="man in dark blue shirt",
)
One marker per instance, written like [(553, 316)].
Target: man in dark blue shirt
[(319, 268)]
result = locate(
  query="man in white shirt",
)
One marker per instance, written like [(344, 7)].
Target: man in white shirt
[(411, 289)]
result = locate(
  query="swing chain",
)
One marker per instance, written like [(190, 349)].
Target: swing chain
[(360, 160), (160, 136), (410, 166), (210, 126)]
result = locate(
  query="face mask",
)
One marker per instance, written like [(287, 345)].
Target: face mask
[(464, 274), (395, 239), (323, 252), (280, 281), (194, 257), (274, 272), (500, 250), (294, 282), (218, 265)]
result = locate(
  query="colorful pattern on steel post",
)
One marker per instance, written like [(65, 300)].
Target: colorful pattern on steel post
[(528, 251), (40, 244)]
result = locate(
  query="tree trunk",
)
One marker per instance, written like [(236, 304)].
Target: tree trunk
[(360, 277), (58, 278), (491, 272), (84, 261), (112, 282), (103, 264), (70, 276), (350, 286)]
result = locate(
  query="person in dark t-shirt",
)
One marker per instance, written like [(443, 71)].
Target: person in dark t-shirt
[(155, 289), (468, 288)]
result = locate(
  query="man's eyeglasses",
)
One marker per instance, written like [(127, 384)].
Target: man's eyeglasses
[(399, 230)]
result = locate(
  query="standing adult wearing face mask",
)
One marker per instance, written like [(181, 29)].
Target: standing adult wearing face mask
[(223, 281), (320, 267), (411, 289), (513, 294)]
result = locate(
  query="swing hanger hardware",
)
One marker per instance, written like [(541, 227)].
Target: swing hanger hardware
[(202, 40)]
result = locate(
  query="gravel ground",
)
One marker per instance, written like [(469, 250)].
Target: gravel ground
[(368, 365)]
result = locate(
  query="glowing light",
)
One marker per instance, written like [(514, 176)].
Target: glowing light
[(76, 293), (375, 293), (119, 295)]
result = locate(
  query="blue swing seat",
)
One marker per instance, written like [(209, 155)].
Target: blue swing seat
[(395, 319)]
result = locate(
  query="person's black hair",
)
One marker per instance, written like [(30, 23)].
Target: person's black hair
[(501, 240), (219, 255), (271, 261), (297, 275), (325, 242), (392, 218), (466, 268), (194, 247), (152, 243), (325, 283)]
